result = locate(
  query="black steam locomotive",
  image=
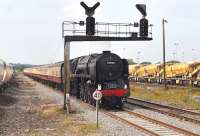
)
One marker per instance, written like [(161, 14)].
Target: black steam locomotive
[(107, 70)]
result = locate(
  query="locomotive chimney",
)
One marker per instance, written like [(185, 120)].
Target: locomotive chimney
[(106, 52)]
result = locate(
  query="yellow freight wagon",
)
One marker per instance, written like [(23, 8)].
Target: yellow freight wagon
[(176, 73)]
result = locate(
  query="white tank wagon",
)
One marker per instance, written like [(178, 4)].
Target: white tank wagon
[(6, 73)]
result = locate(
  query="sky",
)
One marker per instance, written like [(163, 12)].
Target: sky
[(31, 32)]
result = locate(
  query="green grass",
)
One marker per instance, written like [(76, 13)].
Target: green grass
[(78, 127), (47, 112), (50, 111), (176, 97), (88, 128), (72, 123)]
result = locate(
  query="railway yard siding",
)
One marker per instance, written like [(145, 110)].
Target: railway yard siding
[(184, 74), (181, 97)]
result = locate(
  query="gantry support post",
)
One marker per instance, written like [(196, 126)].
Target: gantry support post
[(67, 76)]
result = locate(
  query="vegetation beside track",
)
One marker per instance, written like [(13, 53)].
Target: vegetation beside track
[(62, 123), (174, 96)]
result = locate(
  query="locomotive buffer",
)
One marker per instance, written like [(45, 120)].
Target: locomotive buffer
[(90, 30)]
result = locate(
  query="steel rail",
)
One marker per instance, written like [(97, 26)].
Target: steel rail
[(142, 128), (131, 123), (165, 109), (161, 85), (177, 129)]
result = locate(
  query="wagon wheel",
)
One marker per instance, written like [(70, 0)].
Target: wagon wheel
[(93, 102), (85, 97), (84, 94)]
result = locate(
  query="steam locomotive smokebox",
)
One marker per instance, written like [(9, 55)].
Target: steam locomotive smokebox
[(110, 66), (90, 25)]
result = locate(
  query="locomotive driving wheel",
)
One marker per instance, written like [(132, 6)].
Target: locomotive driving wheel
[(81, 93), (85, 97), (90, 98)]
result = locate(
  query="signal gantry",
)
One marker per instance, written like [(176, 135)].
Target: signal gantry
[(102, 31)]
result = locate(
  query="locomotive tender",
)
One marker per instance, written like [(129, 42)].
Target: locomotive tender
[(107, 70)]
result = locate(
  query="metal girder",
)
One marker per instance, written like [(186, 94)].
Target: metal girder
[(99, 38)]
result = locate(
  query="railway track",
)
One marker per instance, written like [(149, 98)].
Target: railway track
[(143, 123), (182, 114), (148, 125), (161, 85)]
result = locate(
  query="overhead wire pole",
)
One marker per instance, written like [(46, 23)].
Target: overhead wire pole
[(164, 63)]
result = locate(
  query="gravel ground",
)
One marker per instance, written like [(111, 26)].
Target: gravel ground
[(110, 126), (168, 119), (24, 111)]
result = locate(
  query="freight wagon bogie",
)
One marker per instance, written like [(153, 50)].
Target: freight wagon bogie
[(196, 83)]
